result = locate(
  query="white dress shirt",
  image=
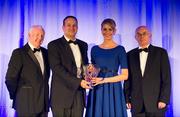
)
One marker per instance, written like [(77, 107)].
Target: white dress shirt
[(77, 56), (143, 58), (39, 57)]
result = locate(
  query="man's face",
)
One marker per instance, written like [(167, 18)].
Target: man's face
[(70, 28), (36, 37), (143, 36)]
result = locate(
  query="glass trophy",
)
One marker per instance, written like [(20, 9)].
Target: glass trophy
[(90, 71)]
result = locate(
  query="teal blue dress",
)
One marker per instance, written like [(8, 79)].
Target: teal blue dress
[(107, 100)]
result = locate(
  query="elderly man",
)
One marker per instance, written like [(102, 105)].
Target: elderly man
[(27, 76), (148, 87)]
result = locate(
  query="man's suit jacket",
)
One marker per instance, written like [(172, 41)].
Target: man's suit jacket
[(154, 86), (27, 86), (64, 72)]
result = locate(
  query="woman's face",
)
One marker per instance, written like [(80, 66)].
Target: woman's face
[(107, 31)]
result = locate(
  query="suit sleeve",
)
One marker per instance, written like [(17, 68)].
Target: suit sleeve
[(127, 90), (86, 60), (60, 72), (127, 85), (13, 73), (165, 78)]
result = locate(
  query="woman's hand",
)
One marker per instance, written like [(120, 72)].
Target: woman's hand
[(97, 80)]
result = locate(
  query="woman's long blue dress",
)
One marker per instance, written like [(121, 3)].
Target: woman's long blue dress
[(107, 100)]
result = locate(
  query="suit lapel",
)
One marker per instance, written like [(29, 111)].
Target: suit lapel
[(149, 60), (44, 59), (137, 63), (81, 51), (68, 49), (31, 54)]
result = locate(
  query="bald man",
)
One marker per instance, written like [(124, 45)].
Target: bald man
[(148, 87), (27, 76)]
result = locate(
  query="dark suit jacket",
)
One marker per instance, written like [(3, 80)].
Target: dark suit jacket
[(27, 86), (64, 71), (154, 86)]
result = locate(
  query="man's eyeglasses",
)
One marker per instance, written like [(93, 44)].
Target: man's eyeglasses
[(142, 34)]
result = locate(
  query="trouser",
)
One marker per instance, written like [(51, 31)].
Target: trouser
[(75, 111), (144, 113), (41, 114)]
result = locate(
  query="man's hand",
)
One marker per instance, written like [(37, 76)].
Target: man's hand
[(85, 84), (128, 105), (161, 105)]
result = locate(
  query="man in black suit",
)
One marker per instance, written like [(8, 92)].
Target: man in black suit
[(148, 87), (67, 55), (27, 76)]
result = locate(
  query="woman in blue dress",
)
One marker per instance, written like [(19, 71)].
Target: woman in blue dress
[(106, 99)]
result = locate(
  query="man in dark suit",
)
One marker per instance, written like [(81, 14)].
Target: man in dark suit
[(148, 87), (67, 55), (27, 76)]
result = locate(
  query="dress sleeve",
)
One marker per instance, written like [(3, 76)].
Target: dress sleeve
[(123, 58)]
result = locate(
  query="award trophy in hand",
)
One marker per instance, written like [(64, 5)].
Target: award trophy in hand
[(91, 71)]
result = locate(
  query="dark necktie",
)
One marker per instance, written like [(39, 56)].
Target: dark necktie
[(74, 42), (36, 50), (144, 49)]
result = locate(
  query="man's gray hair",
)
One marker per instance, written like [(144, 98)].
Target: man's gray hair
[(35, 27)]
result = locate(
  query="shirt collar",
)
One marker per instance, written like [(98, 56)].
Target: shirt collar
[(67, 39), (31, 46), (145, 47)]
